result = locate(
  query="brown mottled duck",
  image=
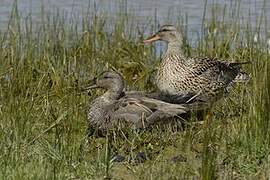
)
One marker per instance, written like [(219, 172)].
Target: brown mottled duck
[(187, 79)]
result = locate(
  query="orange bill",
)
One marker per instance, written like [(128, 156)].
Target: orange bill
[(152, 39)]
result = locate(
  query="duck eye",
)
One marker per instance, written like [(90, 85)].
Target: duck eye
[(165, 30), (107, 77)]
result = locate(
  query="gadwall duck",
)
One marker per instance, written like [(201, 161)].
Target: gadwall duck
[(187, 79), (114, 107)]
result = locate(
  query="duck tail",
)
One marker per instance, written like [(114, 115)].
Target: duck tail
[(242, 77), (239, 64)]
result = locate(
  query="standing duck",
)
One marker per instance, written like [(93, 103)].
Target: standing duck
[(114, 107), (186, 79)]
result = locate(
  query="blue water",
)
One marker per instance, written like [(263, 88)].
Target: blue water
[(144, 11)]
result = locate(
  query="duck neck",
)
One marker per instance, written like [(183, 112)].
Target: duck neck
[(111, 95), (175, 48)]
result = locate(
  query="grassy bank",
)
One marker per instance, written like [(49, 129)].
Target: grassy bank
[(43, 112)]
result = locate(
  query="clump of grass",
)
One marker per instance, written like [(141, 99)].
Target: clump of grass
[(43, 119)]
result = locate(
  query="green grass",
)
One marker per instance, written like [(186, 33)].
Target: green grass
[(43, 112)]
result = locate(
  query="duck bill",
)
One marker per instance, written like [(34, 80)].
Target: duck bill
[(92, 85), (153, 38)]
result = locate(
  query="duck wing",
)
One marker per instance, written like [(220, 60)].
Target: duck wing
[(140, 110), (218, 70)]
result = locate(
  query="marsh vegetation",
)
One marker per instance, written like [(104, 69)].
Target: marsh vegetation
[(43, 110)]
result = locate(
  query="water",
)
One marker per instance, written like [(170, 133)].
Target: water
[(143, 11)]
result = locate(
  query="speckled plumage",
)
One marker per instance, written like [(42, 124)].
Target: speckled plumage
[(205, 79)]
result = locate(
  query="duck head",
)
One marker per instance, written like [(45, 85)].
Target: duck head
[(167, 33), (109, 80)]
